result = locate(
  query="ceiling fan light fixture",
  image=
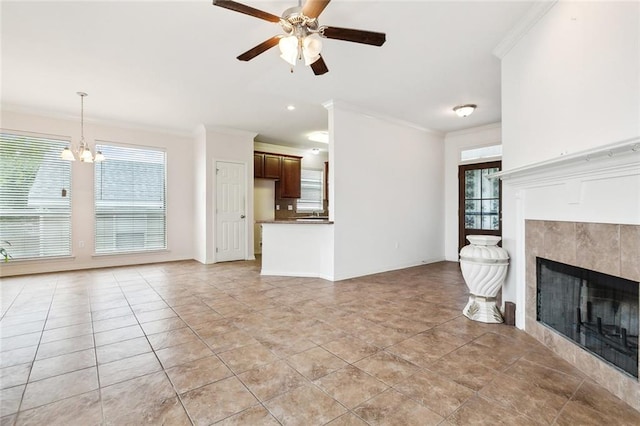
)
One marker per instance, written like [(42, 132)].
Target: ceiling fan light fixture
[(311, 48), (289, 49), (465, 110)]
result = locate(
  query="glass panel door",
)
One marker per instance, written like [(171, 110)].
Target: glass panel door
[(479, 201)]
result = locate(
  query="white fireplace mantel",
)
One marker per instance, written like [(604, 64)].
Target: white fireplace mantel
[(607, 161)]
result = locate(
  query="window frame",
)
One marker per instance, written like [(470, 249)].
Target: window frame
[(106, 146), (320, 202), (57, 210)]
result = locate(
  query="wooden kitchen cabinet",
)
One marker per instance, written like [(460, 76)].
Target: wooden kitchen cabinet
[(267, 165), (272, 166), (285, 169), (258, 165), (290, 177)]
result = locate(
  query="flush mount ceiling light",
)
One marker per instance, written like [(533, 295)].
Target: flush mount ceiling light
[(465, 110), (321, 136), (315, 151), (302, 33), (82, 152), (291, 107)]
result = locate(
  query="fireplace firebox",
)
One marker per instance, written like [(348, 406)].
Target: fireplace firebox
[(597, 311)]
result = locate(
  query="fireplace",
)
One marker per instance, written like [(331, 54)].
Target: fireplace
[(597, 311)]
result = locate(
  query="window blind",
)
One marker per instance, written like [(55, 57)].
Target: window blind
[(35, 196), (130, 200), (310, 190)]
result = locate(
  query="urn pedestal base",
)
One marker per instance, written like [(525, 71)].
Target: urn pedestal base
[(484, 268), (483, 309)]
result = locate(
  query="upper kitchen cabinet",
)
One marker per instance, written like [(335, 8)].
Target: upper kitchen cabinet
[(267, 165), (272, 166), (290, 177)]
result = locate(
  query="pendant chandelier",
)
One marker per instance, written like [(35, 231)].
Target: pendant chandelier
[(82, 151)]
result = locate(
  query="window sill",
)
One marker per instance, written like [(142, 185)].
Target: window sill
[(35, 260), (130, 253)]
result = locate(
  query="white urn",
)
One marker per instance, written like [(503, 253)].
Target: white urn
[(484, 268)]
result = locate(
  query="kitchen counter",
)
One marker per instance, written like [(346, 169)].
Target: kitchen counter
[(299, 221)]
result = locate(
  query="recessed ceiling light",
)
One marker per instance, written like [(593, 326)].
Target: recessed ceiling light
[(464, 110), (291, 107), (321, 136)]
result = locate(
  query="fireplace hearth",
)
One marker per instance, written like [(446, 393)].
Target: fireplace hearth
[(599, 312)]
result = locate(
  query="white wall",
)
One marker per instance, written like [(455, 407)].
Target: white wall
[(386, 193), (570, 84), (232, 146), (454, 144), (264, 205), (201, 197), (179, 202)]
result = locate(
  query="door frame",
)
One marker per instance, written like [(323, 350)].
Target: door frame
[(461, 210), (248, 215)]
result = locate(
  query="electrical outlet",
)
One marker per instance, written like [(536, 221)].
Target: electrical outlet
[(277, 206), (289, 207), (80, 244)]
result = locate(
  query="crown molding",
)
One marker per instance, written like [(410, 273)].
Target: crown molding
[(55, 115), (476, 129), (523, 26), (345, 106)]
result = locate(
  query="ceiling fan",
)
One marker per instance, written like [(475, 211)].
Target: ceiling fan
[(302, 33)]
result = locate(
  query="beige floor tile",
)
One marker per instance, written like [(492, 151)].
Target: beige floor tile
[(17, 356), (435, 392), (351, 386), (247, 357), (350, 349), (386, 367), (478, 411), (128, 368), (315, 363), (61, 364), (59, 387), (270, 380), (172, 338), (195, 374), (10, 399), (61, 347), (254, 416), (84, 409), (393, 408), (149, 399), (217, 401), (347, 419), (185, 352), (118, 335), (304, 405), (14, 375), (159, 326), (119, 350)]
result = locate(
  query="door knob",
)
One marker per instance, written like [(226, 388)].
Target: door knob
[(242, 216)]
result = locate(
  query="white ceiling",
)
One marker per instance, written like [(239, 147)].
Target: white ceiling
[(172, 65)]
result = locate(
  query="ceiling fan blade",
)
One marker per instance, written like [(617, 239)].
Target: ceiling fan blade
[(247, 10), (319, 67), (261, 48), (313, 8), (356, 36)]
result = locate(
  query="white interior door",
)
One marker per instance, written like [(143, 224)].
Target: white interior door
[(230, 211)]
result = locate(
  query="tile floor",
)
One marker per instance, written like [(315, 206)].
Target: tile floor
[(185, 343)]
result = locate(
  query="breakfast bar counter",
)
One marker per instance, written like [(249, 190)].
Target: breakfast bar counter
[(297, 248)]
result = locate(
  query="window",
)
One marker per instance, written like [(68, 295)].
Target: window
[(35, 196), (310, 190), (130, 200)]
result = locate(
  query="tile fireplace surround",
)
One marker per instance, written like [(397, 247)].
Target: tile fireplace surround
[(608, 248)]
